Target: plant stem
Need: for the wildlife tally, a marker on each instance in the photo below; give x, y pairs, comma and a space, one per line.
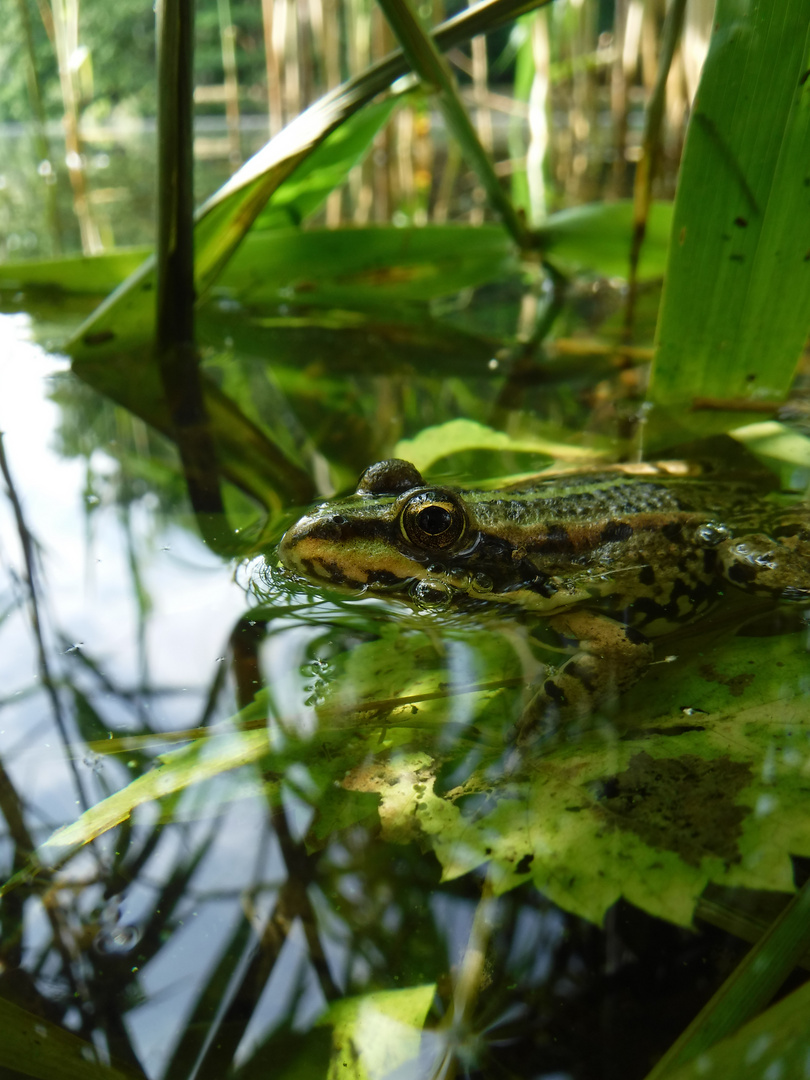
177, 356
650, 146
424, 57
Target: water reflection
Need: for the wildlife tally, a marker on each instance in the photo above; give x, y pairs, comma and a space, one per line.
274, 916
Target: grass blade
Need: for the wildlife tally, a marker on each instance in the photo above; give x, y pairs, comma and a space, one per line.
734, 316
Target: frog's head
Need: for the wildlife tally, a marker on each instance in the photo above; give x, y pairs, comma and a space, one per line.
385, 536
398, 535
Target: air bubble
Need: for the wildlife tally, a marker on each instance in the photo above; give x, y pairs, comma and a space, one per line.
117, 939
713, 533
432, 594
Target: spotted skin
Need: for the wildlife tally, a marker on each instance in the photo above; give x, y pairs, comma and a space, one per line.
610, 561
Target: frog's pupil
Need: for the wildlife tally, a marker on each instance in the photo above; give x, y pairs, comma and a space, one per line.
434, 520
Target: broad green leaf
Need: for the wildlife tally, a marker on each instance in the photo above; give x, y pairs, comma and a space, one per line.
33, 1046
734, 314
313, 141
597, 237
74, 274
416, 682
433, 444
707, 785
366, 268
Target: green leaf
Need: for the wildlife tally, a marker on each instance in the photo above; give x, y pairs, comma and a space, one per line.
782, 449
362, 269
775, 1044
326, 167
177, 769
377, 1034
734, 316
700, 783
75, 274
33, 1046
434, 443
597, 237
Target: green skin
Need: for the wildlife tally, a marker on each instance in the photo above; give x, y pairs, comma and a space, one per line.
610, 560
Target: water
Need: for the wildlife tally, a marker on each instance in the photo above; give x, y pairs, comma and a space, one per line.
120, 167
360, 850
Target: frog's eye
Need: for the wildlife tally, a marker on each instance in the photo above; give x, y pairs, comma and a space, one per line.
433, 520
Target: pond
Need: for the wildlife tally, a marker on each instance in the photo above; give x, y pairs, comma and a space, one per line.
417, 686
327, 852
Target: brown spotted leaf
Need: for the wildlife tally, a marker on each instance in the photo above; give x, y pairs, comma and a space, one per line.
703, 777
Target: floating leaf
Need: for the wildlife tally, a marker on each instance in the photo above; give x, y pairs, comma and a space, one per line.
597, 237
365, 268
74, 274
434, 443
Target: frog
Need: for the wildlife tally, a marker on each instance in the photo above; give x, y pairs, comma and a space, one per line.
610, 559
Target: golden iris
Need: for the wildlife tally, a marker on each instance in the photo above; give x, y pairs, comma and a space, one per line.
433, 520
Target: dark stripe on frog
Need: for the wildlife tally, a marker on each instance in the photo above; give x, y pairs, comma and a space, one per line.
615, 532
554, 541
337, 576
570, 537
337, 529
333, 571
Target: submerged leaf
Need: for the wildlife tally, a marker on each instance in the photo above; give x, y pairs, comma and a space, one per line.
699, 778
377, 1034
709, 791
33, 1046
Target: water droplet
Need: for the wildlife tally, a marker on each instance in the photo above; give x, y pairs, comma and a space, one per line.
432, 594
483, 582
713, 533
117, 939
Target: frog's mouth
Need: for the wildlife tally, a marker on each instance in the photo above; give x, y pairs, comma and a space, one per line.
367, 562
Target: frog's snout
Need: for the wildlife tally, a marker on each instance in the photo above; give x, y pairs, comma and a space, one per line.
314, 547
289, 548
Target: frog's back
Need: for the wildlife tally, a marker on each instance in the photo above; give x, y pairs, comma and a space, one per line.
605, 496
